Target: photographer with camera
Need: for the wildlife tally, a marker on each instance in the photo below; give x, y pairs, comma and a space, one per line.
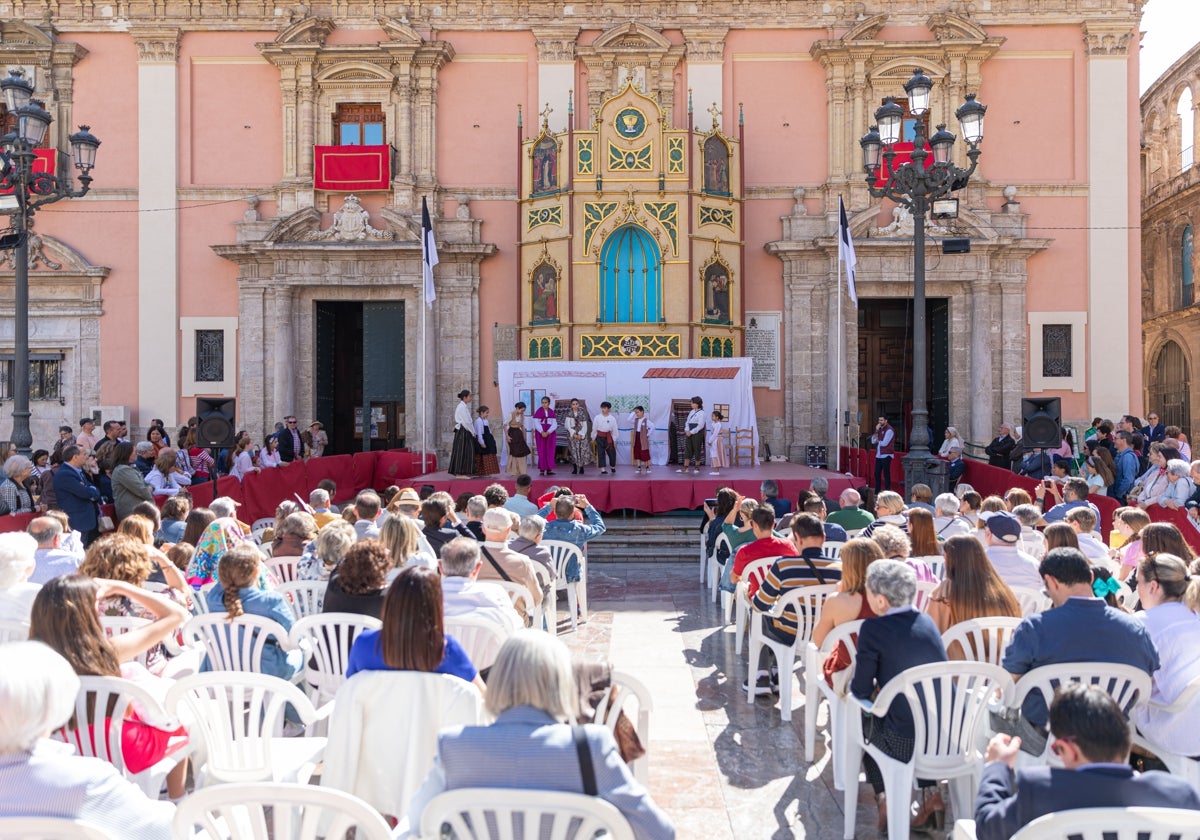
566, 528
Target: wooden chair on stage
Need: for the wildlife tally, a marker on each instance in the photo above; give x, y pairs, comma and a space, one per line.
741, 443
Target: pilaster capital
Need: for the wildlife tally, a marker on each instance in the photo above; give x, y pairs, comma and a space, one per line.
157, 45
1107, 38
555, 44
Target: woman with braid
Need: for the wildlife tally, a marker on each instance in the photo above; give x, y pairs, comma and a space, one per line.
237, 593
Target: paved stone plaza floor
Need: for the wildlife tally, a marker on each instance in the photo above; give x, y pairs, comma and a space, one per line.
722, 768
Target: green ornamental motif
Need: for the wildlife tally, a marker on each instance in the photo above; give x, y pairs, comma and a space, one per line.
594, 214
630, 123
544, 216
675, 158
667, 214
634, 160
716, 216
641, 346
583, 156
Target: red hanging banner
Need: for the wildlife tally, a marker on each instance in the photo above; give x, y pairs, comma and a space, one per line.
352, 168
44, 161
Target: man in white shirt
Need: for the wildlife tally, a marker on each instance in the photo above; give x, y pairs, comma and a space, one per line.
604, 432
1015, 567
462, 594
1083, 521
368, 509
947, 522
50, 559
502, 563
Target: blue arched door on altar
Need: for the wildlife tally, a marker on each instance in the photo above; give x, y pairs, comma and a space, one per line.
630, 277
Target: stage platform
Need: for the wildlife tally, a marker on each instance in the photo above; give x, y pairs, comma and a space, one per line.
661, 491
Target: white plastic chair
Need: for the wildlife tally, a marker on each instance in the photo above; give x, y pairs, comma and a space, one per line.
109, 699
1179, 765
949, 703
49, 828
922, 599
937, 563
549, 599
200, 599
381, 756
1108, 824
13, 631
285, 569
305, 597
982, 639
832, 549
235, 645
704, 550
1032, 600
327, 637
238, 717
815, 687
119, 625
263, 524
714, 568
519, 593
562, 552
297, 812
741, 597
553, 811
628, 687
806, 602
1127, 685
481, 638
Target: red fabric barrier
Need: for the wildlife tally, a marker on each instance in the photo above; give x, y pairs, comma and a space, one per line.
397, 467
16, 522
364, 470
995, 481
861, 463
338, 468
262, 492
1180, 520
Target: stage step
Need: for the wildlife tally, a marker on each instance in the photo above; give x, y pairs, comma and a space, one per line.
647, 539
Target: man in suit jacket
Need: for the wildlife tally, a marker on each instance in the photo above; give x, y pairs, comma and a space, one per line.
999, 450
1093, 744
291, 445
76, 496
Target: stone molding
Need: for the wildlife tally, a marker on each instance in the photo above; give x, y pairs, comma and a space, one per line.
156, 45
1103, 38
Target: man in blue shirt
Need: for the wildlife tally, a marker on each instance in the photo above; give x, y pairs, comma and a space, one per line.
1074, 495
519, 502
565, 528
1127, 466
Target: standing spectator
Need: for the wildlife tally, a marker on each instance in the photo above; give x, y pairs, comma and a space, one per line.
66, 437
129, 486
77, 496
1127, 466
1001, 447
166, 479
13, 494
243, 458
315, 439
201, 459
291, 447
269, 456
1153, 431
884, 441
86, 437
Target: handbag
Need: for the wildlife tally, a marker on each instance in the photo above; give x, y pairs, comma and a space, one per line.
105, 524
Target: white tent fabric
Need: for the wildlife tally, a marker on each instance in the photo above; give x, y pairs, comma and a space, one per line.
651, 383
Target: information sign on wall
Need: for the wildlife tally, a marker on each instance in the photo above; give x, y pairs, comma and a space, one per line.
762, 346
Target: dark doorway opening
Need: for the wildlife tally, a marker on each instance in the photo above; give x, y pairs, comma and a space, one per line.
885, 363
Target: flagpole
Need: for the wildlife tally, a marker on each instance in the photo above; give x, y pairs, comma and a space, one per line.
837, 416
422, 401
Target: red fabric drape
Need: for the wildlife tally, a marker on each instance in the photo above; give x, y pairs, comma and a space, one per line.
352, 168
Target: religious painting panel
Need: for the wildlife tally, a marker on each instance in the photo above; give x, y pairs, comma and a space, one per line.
716, 166
717, 292
543, 294
545, 165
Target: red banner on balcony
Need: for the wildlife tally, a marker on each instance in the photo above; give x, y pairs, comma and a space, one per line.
903, 155
352, 168
44, 161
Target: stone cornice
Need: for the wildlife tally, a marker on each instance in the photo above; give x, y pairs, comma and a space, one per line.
156, 45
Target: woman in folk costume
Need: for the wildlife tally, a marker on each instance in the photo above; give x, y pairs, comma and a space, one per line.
579, 441
487, 463
462, 454
641, 439
694, 428
545, 436
716, 444
518, 446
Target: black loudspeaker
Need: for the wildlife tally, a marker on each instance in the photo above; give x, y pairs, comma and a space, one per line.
1041, 421
216, 422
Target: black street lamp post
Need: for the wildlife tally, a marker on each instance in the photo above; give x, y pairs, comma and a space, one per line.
30, 190
916, 186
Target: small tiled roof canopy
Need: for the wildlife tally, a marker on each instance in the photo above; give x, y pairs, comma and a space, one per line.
691, 373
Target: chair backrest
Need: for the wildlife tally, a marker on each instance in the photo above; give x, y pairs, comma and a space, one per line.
757, 569
1032, 600
1126, 597
627, 688
49, 828
807, 603
102, 708
982, 639
13, 631
296, 812
263, 524
722, 542
936, 564
922, 598
235, 645
381, 755
1127, 685
949, 703
832, 548
305, 597
119, 625
1114, 824
553, 811
847, 634
561, 553
328, 637
236, 715
481, 638
285, 569
518, 592
200, 598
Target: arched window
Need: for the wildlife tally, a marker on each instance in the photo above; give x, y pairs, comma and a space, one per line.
1170, 393
1186, 129
630, 278
1186, 273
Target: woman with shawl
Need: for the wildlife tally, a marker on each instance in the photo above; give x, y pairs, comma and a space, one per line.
219, 537
579, 442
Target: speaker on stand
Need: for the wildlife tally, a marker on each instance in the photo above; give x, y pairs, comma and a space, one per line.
1041, 422
215, 429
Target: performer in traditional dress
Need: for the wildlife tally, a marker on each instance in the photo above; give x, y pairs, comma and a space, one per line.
518, 446
545, 436
604, 431
487, 463
716, 444
462, 454
641, 439
579, 443
693, 428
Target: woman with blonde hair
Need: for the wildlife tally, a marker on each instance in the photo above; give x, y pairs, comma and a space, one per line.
849, 604
971, 589
327, 550
401, 536
889, 510
1129, 522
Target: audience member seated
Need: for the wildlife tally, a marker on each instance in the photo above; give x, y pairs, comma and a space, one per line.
770, 496
1129, 522
322, 513
368, 510
326, 551
971, 589
43, 778
766, 543
1015, 567
947, 521
922, 535
736, 525
198, 519
222, 535
502, 563
1163, 583
237, 594
968, 505
13, 493
175, 512
167, 478
1080, 628
293, 535
1074, 494
16, 565
889, 510
1059, 535
810, 568
1017, 496
1098, 469
921, 496
567, 526
952, 441
814, 505
1179, 486
520, 502
533, 696
474, 510
895, 545
820, 486
65, 618
955, 466
357, 584
849, 604
897, 637
1031, 541
52, 560
464, 594
850, 514
531, 532
412, 637
440, 526
1092, 741
1083, 523
406, 545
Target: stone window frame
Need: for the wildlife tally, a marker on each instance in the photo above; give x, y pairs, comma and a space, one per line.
1077, 381
189, 387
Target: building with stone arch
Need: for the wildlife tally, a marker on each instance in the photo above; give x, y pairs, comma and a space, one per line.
253, 230
1170, 213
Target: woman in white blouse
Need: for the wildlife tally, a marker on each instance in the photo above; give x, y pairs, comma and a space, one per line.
952, 441
269, 456
166, 479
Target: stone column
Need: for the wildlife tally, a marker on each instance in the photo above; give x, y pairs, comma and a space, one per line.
253, 315
158, 232
706, 71
1011, 343
556, 75
284, 362
982, 348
